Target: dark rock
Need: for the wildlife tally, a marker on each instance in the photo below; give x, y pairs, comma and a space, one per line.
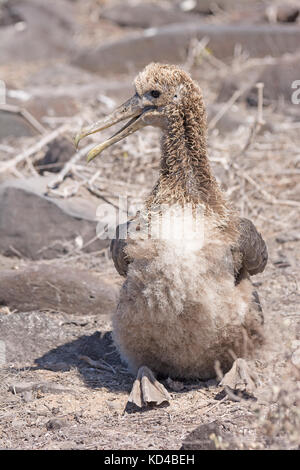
58, 288
143, 15
58, 153
56, 423
288, 13
14, 125
39, 227
210, 436
8, 15
170, 44
277, 78
45, 30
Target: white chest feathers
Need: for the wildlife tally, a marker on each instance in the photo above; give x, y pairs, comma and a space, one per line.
180, 258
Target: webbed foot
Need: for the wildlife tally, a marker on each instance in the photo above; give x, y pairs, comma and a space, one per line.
240, 380
147, 390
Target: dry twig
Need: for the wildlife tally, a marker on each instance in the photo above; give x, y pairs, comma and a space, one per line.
12, 163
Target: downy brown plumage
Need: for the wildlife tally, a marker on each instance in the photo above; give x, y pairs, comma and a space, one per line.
187, 300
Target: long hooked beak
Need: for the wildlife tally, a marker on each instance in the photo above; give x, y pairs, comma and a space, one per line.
131, 109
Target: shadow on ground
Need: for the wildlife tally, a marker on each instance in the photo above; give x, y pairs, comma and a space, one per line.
97, 346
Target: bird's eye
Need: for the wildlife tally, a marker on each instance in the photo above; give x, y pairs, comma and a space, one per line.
155, 93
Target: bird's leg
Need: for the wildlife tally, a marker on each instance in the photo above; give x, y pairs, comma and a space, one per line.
147, 390
240, 379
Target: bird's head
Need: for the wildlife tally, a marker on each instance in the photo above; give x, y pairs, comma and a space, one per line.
161, 91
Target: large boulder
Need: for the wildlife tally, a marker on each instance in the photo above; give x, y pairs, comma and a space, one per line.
36, 226
277, 77
36, 30
170, 44
144, 15
57, 287
14, 125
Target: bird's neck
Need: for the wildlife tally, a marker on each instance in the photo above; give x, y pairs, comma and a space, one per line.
184, 156
185, 174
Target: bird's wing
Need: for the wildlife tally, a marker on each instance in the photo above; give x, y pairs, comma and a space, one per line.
117, 249
250, 255
252, 248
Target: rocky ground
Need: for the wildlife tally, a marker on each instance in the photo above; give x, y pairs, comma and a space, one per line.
62, 385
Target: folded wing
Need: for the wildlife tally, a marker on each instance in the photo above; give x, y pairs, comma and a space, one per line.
252, 248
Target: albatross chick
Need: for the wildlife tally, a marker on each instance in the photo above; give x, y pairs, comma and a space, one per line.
187, 303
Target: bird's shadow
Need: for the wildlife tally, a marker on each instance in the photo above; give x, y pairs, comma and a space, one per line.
97, 347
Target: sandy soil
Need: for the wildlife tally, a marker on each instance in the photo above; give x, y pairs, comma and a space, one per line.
51, 398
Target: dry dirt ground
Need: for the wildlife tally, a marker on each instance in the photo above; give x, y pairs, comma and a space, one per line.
52, 399
52, 394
